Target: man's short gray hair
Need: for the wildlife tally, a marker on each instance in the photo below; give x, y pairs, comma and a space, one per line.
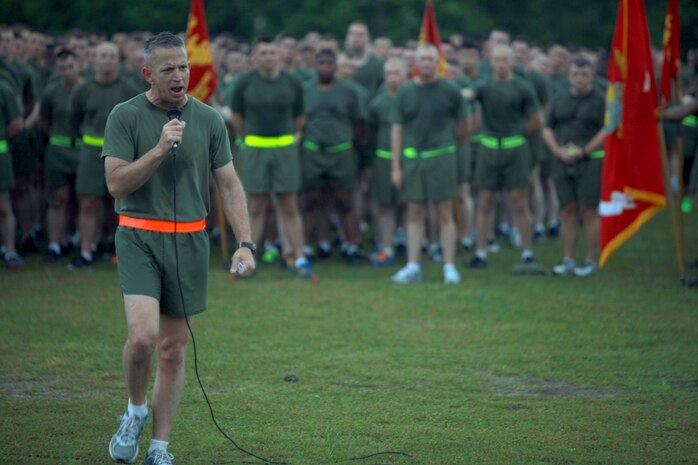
161, 40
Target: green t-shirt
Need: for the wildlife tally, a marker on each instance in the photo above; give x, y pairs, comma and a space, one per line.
540, 85
134, 128
379, 118
269, 107
370, 75
506, 106
428, 113
559, 84
304, 74
91, 102
54, 108
576, 119
9, 108
331, 113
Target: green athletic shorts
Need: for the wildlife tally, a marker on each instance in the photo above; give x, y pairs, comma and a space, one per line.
90, 177
537, 148
382, 189
60, 166
266, 170
432, 179
497, 169
335, 170
580, 183
7, 177
465, 163
148, 266
24, 160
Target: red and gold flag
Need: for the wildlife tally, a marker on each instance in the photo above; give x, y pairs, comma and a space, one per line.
632, 190
671, 64
429, 34
202, 80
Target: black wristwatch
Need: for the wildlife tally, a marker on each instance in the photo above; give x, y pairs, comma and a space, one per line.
250, 245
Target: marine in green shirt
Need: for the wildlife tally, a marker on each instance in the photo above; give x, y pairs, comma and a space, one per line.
575, 133
89, 107
268, 111
369, 68
429, 123
334, 113
62, 152
510, 112
160, 149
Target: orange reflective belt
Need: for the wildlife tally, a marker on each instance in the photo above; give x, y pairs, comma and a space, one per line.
162, 225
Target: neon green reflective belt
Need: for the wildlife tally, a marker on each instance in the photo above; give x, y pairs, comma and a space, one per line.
411, 152
596, 154
4, 148
386, 154
476, 138
93, 141
310, 145
691, 121
61, 141
269, 142
505, 143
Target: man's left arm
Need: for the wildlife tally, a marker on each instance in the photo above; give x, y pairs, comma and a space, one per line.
235, 209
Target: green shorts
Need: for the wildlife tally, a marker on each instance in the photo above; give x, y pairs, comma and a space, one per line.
537, 148
266, 170
148, 266
580, 183
7, 177
497, 169
90, 176
465, 163
24, 160
429, 179
382, 189
689, 138
335, 170
60, 166
547, 165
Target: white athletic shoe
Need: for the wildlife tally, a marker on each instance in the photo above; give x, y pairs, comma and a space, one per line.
407, 275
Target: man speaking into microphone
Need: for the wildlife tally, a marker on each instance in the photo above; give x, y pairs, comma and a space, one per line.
159, 149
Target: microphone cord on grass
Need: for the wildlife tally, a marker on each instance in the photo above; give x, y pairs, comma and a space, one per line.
193, 340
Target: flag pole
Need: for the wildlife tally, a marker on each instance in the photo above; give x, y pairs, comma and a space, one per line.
672, 204
679, 171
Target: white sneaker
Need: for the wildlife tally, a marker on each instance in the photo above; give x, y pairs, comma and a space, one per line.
123, 447
451, 276
565, 268
587, 269
407, 275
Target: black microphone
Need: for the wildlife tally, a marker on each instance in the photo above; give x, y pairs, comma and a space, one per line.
174, 113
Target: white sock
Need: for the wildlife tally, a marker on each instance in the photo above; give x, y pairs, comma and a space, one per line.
413, 266
352, 249
526, 254
141, 411
301, 262
481, 254
449, 267
55, 247
87, 256
389, 251
157, 445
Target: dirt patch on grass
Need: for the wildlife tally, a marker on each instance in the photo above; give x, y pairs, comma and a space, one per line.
690, 385
36, 389
521, 386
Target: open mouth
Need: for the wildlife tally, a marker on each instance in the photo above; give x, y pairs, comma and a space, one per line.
177, 90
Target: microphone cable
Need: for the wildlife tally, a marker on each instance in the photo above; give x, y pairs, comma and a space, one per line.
175, 113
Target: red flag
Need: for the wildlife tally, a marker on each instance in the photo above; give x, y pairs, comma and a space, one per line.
429, 34
632, 190
202, 80
671, 64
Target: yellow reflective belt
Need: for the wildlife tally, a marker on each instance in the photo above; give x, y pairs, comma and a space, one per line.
411, 152
269, 142
61, 141
310, 145
596, 154
386, 154
4, 148
506, 143
93, 141
691, 121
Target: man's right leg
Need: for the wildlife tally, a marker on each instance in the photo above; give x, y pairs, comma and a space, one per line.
484, 221
56, 216
293, 223
257, 205
7, 231
569, 215
142, 319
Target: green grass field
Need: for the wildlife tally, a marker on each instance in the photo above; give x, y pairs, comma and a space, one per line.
501, 369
